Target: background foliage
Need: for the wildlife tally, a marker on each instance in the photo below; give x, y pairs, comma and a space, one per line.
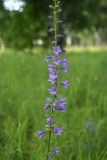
21, 28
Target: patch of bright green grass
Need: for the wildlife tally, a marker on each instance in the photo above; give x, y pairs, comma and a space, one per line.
23, 91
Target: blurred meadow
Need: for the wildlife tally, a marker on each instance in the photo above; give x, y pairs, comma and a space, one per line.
23, 90
24, 85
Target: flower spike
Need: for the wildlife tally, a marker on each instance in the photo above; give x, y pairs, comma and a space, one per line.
56, 62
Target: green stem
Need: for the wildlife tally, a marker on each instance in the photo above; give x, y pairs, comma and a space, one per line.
55, 33
49, 142
55, 17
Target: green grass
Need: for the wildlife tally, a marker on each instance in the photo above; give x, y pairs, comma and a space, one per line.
23, 91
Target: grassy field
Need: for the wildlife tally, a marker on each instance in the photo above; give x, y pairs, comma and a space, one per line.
23, 91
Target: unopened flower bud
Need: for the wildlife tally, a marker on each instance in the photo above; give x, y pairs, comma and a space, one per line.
50, 6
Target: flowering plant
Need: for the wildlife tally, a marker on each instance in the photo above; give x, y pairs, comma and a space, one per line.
56, 63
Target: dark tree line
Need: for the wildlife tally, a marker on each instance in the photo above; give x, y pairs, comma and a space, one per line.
21, 28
